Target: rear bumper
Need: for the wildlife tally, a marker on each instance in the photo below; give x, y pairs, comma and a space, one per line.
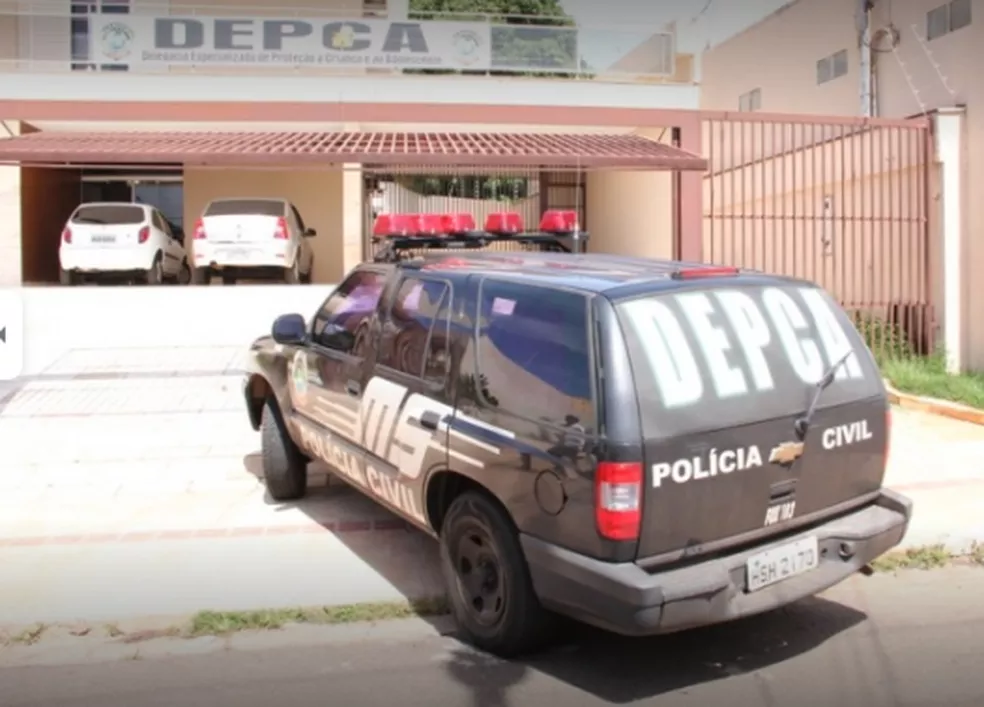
245, 256
628, 600
106, 260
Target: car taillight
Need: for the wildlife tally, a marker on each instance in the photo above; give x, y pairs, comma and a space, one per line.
144, 235
199, 233
67, 235
281, 231
618, 499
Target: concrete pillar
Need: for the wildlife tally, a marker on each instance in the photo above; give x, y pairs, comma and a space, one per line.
352, 217
949, 154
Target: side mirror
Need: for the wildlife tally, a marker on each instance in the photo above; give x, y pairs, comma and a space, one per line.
310, 233
290, 329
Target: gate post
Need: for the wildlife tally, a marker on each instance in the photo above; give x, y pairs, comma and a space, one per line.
690, 195
949, 154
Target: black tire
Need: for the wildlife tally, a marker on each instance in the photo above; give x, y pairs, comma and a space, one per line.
67, 278
306, 277
228, 279
510, 621
284, 466
201, 276
292, 275
155, 276
184, 274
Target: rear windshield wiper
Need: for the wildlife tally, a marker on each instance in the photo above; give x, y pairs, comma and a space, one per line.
803, 423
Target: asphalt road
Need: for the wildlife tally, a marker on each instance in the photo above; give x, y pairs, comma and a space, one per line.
913, 639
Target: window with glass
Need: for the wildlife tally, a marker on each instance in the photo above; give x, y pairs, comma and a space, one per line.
344, 320
947, 18
534, 353
416, 333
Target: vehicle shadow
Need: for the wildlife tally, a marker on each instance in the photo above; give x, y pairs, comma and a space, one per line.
613, 668
400, 555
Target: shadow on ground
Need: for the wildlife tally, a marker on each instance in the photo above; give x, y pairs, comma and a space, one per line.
613, 668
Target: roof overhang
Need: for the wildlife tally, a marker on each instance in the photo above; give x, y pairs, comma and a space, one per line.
258, 149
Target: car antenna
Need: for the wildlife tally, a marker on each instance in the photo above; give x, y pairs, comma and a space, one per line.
803, 424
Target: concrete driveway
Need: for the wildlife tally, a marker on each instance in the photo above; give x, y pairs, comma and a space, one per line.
131, 472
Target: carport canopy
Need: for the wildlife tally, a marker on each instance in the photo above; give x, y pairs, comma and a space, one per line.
219, 149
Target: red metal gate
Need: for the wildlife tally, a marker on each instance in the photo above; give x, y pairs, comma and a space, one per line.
842, 202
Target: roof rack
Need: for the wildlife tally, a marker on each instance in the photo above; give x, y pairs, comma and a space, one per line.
402, 236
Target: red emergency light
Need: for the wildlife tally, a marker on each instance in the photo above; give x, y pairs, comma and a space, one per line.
504, 223
394, 225
457, 223
430, 225
699, 273
555, 221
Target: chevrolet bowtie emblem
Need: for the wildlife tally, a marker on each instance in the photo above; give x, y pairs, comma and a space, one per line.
786, 453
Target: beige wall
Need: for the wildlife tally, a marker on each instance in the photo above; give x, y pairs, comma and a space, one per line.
329, 200
779, 56
631, 212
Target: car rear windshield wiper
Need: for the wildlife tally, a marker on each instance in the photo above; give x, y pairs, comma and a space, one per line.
803, 423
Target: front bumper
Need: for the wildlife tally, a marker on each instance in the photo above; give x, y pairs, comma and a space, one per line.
627, 599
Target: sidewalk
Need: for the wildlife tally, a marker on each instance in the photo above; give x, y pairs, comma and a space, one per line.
129, 489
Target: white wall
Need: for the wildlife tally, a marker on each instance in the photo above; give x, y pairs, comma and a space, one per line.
10, 217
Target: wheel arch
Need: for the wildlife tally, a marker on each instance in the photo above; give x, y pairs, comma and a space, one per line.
257, 391
444, 486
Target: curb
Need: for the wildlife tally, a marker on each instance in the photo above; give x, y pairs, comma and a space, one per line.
933, 406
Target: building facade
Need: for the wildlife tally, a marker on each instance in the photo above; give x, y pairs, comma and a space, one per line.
72, 72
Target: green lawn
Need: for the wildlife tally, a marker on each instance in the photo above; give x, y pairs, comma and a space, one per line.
928, 377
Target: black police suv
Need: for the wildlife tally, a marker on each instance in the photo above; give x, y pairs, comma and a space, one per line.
642, 445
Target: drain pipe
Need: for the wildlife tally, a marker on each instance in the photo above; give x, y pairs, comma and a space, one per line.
864, 33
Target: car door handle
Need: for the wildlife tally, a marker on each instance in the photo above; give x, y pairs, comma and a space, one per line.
353, 388
430, 419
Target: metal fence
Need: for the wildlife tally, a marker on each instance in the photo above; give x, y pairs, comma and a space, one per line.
528, 192
842, 202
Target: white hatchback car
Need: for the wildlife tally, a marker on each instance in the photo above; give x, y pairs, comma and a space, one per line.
252, 238
121, 241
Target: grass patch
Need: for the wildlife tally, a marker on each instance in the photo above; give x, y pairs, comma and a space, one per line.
929, 557
221, 623
928, 377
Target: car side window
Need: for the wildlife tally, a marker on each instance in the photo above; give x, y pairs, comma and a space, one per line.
342, 323
534, 354
416, 332
297, 218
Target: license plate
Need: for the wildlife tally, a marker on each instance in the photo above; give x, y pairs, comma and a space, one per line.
236, 254
779, 563
100, 238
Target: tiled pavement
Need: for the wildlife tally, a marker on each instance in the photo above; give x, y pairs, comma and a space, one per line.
136, 469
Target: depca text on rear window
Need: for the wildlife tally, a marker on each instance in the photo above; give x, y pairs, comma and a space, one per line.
109, 215
726, 356
245, 207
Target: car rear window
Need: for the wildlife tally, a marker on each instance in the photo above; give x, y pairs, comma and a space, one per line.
109, 214
731, 355
245, 207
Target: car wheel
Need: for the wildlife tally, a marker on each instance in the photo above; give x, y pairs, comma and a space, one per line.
67, 278
488, 582
201, 276
307, 277
155, 275
228, 279
284, 466
292, 275
184, 274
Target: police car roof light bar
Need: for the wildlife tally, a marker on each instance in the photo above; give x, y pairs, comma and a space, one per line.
702, 273
505, 223
556, 221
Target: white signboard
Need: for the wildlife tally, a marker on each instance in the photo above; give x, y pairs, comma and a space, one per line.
141, 40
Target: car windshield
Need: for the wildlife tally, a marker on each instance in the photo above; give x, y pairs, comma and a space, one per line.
109, 214
245, 207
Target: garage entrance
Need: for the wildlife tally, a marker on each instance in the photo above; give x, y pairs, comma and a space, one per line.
338, 181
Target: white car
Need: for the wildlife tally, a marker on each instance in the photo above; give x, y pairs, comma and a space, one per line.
121, 241
252, 238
